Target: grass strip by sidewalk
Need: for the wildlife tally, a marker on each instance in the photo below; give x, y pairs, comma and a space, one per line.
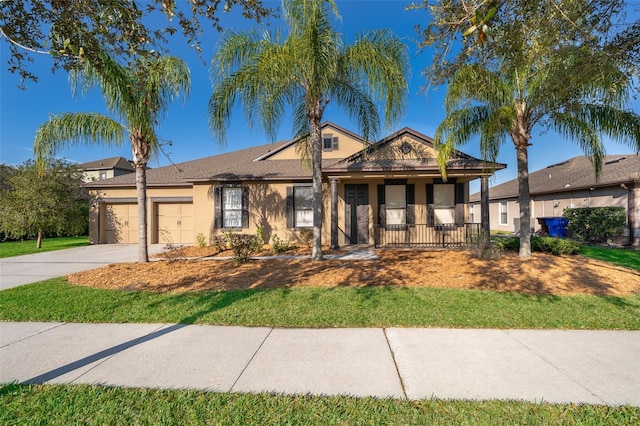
57, 300
19, 248
621, 257
93, 405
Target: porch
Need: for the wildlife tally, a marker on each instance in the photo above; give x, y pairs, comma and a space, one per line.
426, 236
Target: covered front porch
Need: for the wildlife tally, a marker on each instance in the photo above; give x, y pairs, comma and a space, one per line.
410, 212
394, 194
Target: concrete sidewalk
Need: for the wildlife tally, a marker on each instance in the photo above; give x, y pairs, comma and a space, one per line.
31, 268
598, 367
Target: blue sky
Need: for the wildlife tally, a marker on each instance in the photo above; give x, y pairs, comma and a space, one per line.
22, 111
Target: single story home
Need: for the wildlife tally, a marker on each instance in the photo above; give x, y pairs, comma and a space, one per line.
388, 193
568, 184
105, 168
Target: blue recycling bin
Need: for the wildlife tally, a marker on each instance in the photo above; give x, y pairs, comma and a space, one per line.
557, 226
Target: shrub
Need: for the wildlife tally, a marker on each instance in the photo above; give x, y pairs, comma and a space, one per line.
259, 239
280, 246
220, 242
243, 245
551, 245
200, 239
306, 236
507, 243
555, 246
595, 224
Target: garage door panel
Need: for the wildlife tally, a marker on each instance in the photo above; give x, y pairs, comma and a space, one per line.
174, 223
120, 223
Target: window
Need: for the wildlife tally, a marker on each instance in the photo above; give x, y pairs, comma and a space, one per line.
329, 143
503, 213
396, 204
444, 203
472, 213
103, 175
303, 206
231, 206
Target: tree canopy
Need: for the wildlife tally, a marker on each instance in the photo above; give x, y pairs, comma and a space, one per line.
522, 29
73, 31
33, 203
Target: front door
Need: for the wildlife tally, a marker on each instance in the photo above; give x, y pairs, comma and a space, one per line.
357, 213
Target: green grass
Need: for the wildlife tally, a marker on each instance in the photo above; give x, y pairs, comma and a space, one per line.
621, 257
56, 300
18, 248
93, 405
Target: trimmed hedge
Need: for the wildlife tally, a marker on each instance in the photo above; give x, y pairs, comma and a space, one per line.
596, 224
552, 245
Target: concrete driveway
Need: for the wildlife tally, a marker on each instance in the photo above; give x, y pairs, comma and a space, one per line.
30, 268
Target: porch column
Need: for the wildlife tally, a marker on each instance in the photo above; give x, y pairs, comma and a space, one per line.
484, 205
334, 213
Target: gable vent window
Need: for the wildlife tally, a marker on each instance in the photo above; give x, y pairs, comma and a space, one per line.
329, 143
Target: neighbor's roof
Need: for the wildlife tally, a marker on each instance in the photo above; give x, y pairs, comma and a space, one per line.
119, 163
570, 175
458, 161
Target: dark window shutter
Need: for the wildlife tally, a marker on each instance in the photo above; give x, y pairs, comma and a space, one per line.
459, 197
430, 220
411, 204
289, 207
245, 207
217, 207
382, 214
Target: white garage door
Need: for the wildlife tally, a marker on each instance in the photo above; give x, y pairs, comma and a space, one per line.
119, 223
174, 223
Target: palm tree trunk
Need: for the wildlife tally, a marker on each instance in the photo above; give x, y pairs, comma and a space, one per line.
524, 198
141, 190
316, 166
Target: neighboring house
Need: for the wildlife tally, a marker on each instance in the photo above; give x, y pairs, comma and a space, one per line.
569, 184
392, 194
105, 168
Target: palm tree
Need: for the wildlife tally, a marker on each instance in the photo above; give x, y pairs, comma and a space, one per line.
137, 96
306, 71
579, 94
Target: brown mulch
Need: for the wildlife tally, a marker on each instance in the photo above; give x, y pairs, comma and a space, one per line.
540, 274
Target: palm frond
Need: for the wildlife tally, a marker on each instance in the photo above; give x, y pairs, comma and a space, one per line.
72, 129
381, 61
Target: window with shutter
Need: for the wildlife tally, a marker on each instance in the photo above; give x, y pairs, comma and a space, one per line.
231, 206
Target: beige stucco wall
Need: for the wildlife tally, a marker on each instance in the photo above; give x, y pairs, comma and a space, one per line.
346, 147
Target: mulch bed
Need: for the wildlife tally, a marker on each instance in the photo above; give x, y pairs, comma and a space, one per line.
541, 274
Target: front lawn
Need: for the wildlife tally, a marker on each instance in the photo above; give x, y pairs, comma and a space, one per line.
18, 248
621, 257
93, 405
376, 306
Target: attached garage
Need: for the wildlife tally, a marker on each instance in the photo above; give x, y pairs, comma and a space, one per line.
173, 222
119, 222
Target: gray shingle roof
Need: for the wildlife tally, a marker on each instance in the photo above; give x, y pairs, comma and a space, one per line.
570, 175
119, 163
216, 167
